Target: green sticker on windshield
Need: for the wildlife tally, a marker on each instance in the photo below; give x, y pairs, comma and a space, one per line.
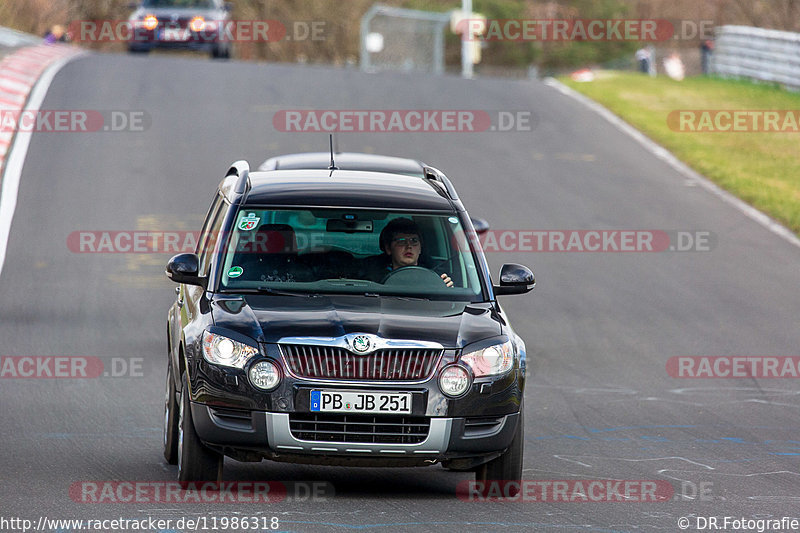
248, 222
235, 272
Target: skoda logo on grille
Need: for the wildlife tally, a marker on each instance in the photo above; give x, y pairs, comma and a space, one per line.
361, 344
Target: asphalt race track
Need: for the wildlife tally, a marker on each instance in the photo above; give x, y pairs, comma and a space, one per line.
600, 327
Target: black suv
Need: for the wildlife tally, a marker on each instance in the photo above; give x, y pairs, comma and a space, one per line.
181, 24
342, 313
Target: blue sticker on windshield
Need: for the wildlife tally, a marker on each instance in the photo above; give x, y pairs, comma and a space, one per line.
453, 220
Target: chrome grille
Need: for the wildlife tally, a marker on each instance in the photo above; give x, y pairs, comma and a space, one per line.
359, 428
332, 362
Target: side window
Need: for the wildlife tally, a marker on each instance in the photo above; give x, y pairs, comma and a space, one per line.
210, 216
210, 235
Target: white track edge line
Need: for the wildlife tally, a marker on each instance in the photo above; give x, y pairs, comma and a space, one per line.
665, 155
12, 170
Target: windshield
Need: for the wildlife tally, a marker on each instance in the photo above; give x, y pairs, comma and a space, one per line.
350, 251
178, 3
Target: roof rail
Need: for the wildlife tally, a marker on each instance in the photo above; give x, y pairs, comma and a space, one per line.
241, 169
434, 174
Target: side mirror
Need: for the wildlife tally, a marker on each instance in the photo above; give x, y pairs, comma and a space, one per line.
480, 225
514, 279
184, 268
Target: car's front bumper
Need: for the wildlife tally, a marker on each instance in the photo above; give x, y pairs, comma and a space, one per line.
235, 418
251, 435
192, 41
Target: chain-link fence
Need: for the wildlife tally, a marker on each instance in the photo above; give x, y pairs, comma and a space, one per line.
402, 39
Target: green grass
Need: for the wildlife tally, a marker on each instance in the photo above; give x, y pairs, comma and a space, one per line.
761, 168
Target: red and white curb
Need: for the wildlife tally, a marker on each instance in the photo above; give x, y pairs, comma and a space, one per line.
18, 74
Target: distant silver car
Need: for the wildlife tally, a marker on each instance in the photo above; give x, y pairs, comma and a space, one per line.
181, 24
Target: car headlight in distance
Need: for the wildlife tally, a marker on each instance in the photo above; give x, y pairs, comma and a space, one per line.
221, 350
454, 380
150, 22
492, 360
198, 24
265, 375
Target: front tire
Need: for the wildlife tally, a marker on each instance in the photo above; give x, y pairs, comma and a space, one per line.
195, 461
221, 51
138, 50
171, 409
507, 468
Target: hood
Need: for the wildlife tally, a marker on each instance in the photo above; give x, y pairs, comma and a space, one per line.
268, 318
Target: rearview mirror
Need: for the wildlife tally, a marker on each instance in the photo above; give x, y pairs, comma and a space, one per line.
349, 226
184, 268
514, 279
480, 225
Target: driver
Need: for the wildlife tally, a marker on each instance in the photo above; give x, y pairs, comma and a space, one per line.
401, 242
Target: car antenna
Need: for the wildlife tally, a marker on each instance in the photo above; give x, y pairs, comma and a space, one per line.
333, 164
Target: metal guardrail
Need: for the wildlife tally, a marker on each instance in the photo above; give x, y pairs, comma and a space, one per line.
757, 53
14, 39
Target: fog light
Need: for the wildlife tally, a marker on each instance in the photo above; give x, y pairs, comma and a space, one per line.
264, 375
454, 380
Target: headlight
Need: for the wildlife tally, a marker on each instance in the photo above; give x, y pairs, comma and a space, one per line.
224, 351
150, 22
265, 375
198, 24
454, 380
491, 361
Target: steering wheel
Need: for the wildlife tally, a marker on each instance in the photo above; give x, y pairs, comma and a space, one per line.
440, 265
412, 275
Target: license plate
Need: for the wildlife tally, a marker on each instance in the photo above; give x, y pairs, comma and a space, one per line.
360, 402
173, 34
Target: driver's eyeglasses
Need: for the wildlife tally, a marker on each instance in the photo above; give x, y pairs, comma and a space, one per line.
407, 241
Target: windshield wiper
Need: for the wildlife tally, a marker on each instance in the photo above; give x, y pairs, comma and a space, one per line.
270, 290
396, 297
